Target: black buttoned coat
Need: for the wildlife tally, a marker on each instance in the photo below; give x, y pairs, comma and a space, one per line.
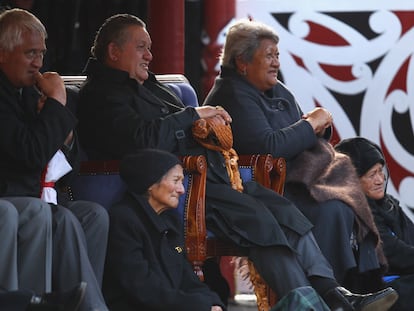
146, 267
271, 122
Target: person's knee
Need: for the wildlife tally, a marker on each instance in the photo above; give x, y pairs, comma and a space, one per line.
90, 214
99, 213
8, 212
41, 210
31, 209
63, 216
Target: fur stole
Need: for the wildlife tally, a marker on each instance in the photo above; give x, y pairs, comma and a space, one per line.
329, 175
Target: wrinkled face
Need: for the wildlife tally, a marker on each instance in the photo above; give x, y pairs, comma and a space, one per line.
165, 194
24, 60
373, 182
135, 55
263, 69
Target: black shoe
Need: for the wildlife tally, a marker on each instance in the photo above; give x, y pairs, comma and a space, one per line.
341, 299
59, 301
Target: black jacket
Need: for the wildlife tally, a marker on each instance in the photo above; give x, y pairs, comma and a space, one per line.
268, 122
397, 234
146, 268
117, 115
28, 139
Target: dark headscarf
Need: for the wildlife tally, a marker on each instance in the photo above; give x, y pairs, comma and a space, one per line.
145, 168
363, 153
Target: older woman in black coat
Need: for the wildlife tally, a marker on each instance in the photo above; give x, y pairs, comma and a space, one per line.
146, 267
395, 228
268, 119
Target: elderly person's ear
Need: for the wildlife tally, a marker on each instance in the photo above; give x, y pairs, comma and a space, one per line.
113, 52
241, 65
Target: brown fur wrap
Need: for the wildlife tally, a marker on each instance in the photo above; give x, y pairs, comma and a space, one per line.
329, 175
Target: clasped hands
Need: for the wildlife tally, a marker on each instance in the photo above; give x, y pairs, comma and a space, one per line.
320, 119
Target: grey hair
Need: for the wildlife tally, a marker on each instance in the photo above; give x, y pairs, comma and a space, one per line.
14, 23
114, 29
242, 40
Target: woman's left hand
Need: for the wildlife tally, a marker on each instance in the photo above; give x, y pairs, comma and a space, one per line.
320, 119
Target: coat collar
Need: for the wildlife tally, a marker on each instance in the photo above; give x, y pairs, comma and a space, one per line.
6, 84
99, 71
160, 221
277, 91
22, 100
96, 69
166, 227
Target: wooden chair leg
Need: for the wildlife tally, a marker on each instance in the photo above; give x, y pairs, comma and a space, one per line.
260, 289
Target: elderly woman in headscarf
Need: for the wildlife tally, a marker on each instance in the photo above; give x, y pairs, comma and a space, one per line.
395, 228
146, 267
266, 118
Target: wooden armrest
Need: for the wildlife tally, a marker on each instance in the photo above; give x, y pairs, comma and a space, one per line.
278, 175
268, 171
194, 218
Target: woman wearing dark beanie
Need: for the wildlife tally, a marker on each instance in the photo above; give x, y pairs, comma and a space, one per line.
395, 228
146, 267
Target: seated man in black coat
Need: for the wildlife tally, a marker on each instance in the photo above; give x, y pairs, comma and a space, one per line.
36, 127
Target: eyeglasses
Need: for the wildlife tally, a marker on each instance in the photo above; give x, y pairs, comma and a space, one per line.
35, 54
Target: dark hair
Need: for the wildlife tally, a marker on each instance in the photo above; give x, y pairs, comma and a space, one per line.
113, 30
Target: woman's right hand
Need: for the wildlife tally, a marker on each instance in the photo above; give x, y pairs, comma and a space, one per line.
320, 119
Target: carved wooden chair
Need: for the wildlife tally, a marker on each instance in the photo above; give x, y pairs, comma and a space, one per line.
271, 173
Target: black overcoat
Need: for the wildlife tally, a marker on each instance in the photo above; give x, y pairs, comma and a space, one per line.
146, 267
28, 139
397, 234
